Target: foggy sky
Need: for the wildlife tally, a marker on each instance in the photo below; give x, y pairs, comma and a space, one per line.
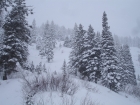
123, 15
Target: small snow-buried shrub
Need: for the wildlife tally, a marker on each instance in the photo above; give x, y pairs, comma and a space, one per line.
50, 82
88, 101
89, 87
133, 90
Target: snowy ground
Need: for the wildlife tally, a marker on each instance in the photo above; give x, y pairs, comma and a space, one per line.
11, 91
134, 52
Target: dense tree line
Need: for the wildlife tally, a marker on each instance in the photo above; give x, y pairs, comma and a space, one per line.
96, 57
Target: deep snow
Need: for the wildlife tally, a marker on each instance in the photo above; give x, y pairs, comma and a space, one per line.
11, 90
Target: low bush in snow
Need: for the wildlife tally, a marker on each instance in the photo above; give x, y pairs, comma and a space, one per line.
48, 82
89, 87
133, 90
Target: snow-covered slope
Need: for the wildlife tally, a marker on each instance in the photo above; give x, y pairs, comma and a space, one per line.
11, 90
60, 54
134, 52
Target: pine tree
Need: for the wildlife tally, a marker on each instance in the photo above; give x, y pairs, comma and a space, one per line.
38, 43
44, 68
108, 58
32, 67
52, 34
119, 52
139, 58
98, 40
67, 42
1, 34
64, 67
138, 78
33, 32
48, 44
75, 56
74, 52
129, 71
94, 56
40, 68
16, 37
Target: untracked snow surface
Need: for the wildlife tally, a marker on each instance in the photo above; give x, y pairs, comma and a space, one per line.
11, 90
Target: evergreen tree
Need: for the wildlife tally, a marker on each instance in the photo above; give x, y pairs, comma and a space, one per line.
129, 71
16, 37
1, 29
32, 68
52, 34
48, 44
44, 68
94, 58
79, 44
75, 56
138, 78
33, 32
98, 40
67, 42
74, 52
119, 52
139, 58
64, 67
38, 43
40, 68
109, 61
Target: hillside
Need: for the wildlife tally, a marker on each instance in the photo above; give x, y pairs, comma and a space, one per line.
11, 90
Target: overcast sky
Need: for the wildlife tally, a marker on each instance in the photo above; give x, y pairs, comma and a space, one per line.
123, 15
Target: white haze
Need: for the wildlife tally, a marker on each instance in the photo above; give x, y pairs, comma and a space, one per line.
123, 15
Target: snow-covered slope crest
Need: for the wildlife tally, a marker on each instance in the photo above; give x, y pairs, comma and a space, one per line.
11, 90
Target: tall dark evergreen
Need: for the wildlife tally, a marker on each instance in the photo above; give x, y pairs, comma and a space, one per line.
109, 61
94, 55
48, 43
129, 76
67, 42
73, 55
78, 64
1, 29
16, 37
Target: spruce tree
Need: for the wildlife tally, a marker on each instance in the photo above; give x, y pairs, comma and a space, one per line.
16, 37
128, 67
108, 57
48, 43
94, 58
67, 42
52, 34
44, 68
73, 55
78, 64
33, 32
80, 47
64, 67
32, 67
139, 58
